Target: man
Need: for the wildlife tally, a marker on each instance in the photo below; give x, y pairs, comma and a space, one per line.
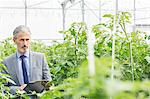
25, 66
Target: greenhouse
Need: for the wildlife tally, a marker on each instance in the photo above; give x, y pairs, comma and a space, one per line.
74, 49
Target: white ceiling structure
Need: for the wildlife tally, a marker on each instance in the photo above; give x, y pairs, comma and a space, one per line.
45, 17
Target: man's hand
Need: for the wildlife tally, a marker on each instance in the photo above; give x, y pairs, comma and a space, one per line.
21, 88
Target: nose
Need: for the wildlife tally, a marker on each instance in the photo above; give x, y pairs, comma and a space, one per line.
25, 42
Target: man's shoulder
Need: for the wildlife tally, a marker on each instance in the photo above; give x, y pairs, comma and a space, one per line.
37, 56
37, 53
10, 57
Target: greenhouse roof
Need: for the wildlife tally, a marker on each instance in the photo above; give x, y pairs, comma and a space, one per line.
45, 17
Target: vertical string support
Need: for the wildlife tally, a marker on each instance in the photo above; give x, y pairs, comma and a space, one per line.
131, 54
113, 42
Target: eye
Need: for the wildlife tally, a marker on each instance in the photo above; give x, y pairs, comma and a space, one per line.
27, 39
21, 39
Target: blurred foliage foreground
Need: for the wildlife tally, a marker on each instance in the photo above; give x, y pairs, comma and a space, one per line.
69, 66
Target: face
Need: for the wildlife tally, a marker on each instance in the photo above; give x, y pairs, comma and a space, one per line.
22, 41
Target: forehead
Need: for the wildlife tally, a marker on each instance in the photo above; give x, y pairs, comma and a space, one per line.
23, 35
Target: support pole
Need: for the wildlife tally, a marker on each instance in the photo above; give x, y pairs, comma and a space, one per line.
63, 15
63, 5
100, 11
83, 11
25, 12
91, 61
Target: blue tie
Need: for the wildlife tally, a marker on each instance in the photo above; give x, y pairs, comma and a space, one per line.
25, 76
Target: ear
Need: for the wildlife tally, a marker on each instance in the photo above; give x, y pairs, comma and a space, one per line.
14, 39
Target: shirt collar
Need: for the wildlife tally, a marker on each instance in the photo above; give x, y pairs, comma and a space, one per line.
25, 54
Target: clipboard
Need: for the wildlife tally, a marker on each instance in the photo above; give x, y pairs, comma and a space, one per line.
37, 86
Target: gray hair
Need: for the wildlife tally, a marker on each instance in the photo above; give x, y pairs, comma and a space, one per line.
21, 28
